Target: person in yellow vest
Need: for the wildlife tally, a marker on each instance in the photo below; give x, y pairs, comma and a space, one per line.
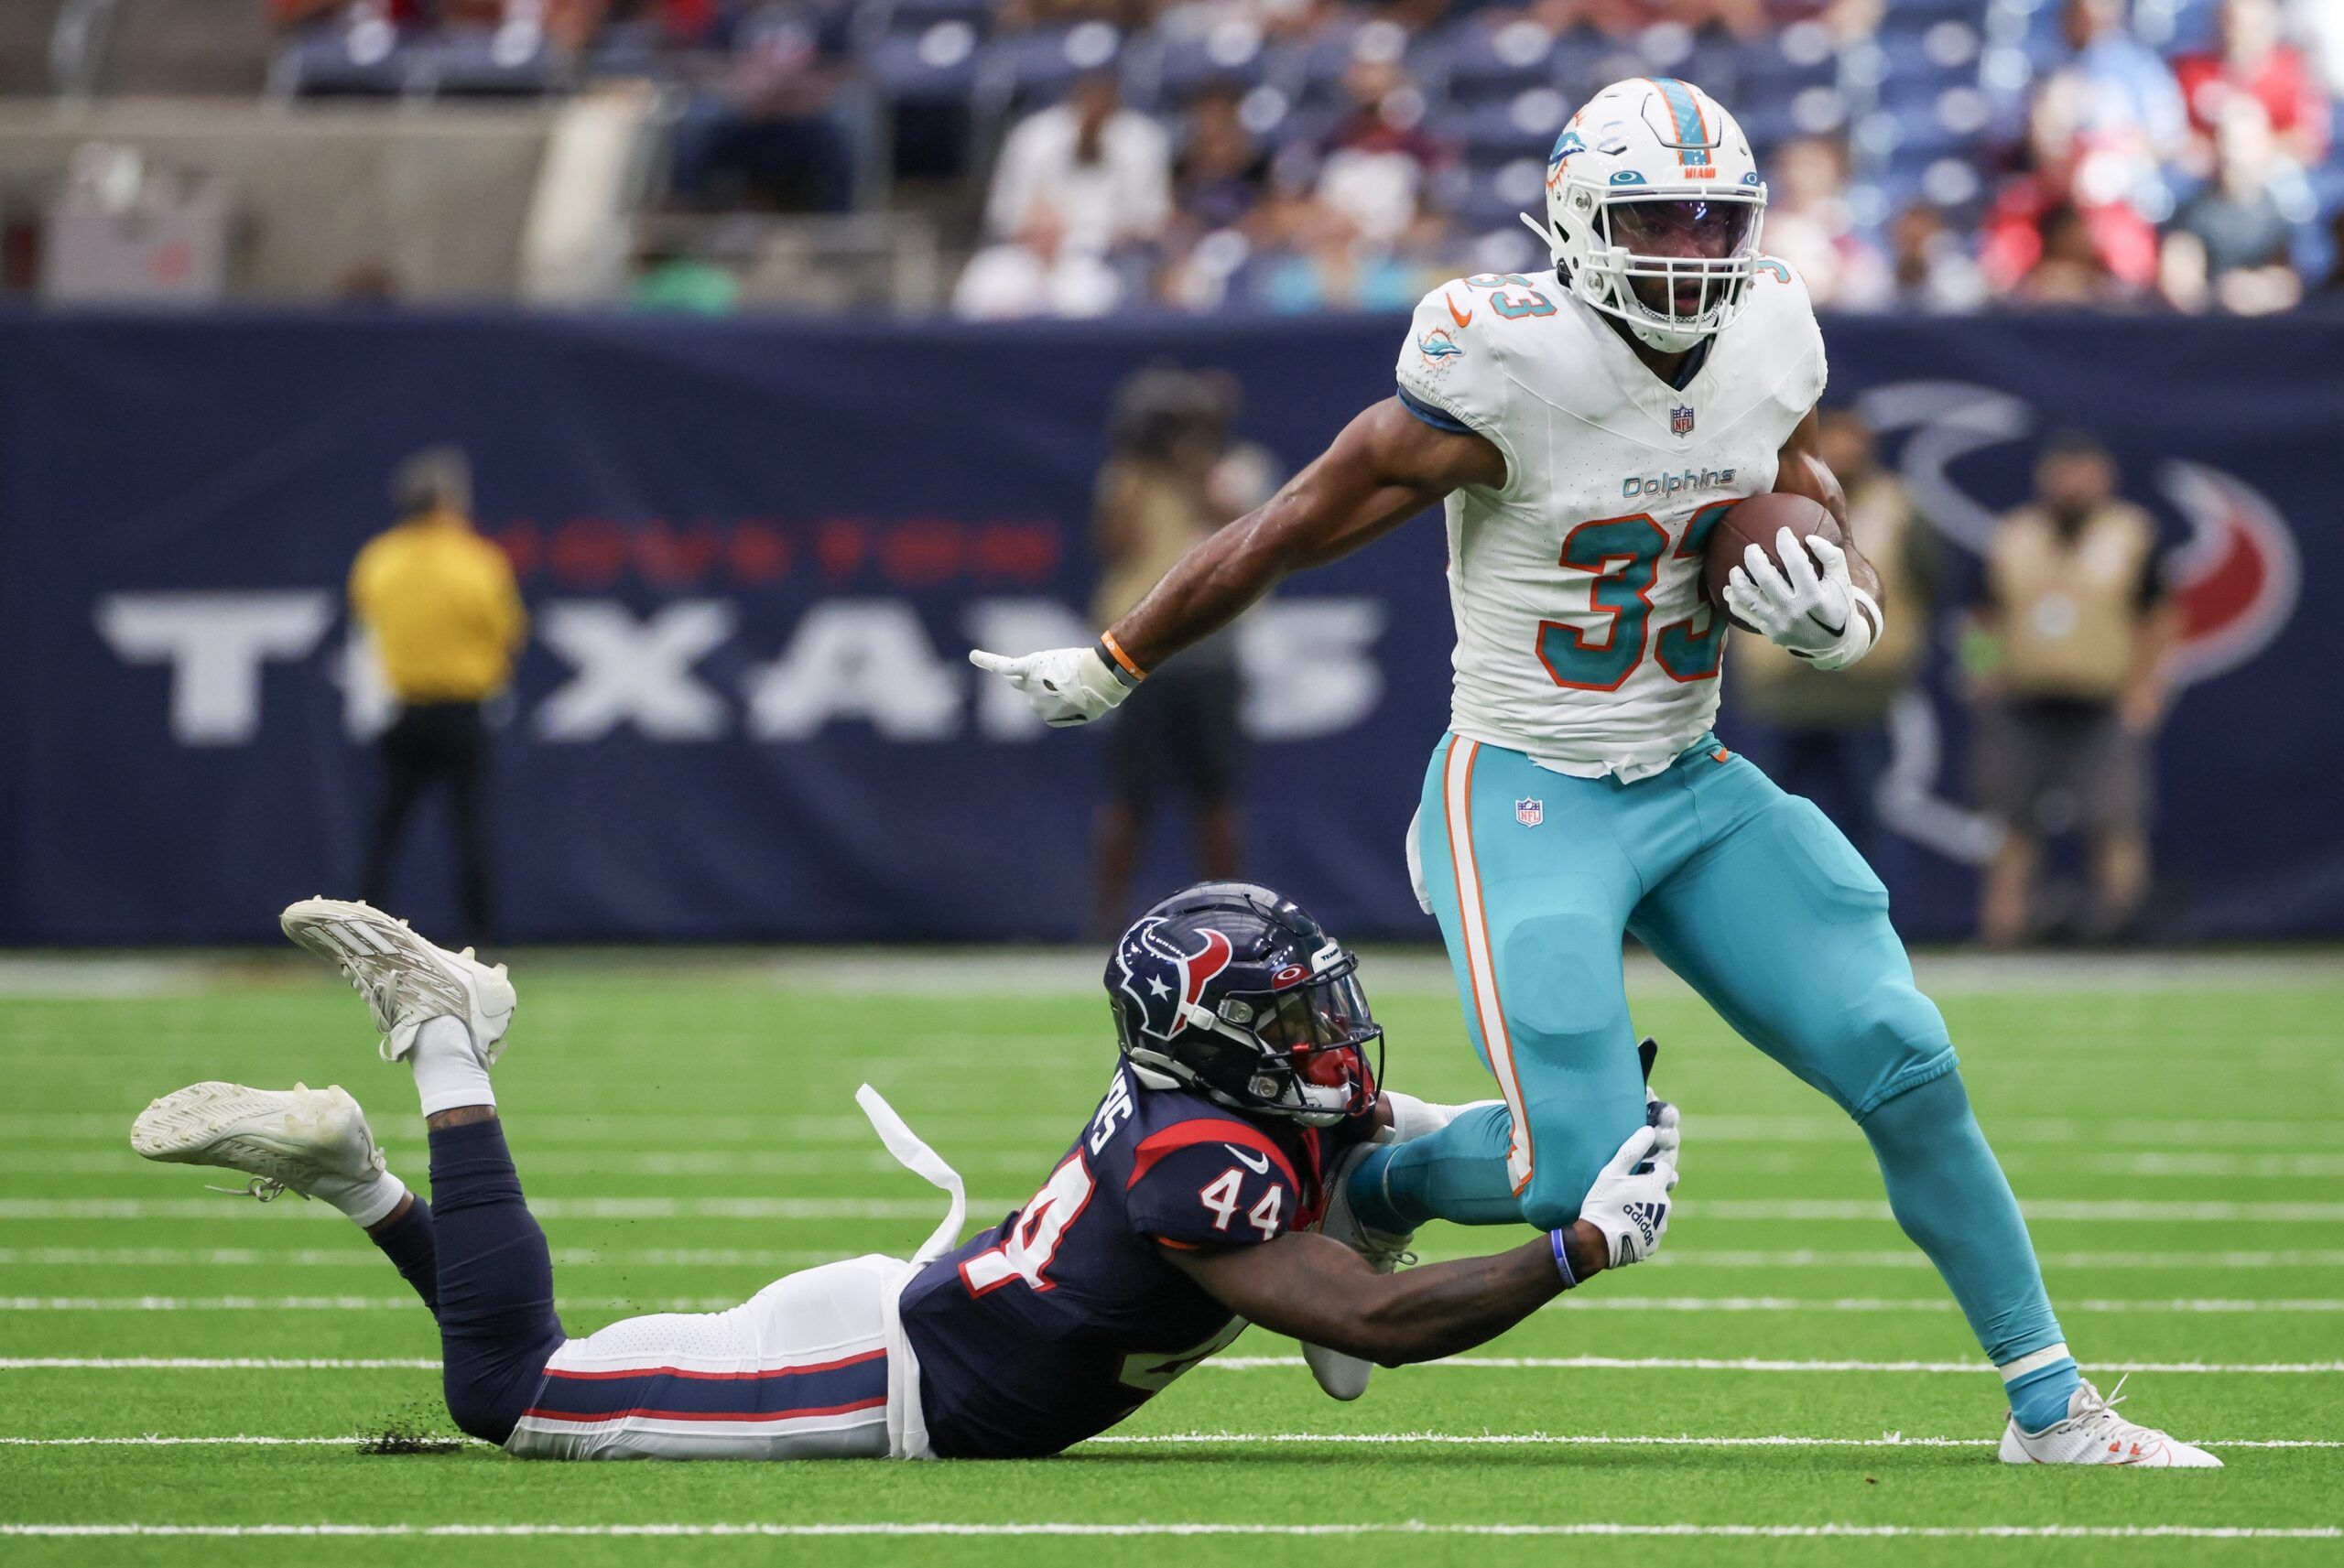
2069, 661
444, 614
1824, 733
1171, 478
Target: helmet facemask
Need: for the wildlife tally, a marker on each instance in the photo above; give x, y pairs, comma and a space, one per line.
1696, 253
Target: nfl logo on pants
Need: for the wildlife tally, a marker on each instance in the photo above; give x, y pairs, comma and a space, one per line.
1530, 813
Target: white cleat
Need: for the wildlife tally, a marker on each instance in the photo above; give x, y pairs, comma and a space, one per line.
1344, 1377
407, 982
2094, 1433
310, 1141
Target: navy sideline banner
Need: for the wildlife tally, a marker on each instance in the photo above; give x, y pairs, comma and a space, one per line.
756, 551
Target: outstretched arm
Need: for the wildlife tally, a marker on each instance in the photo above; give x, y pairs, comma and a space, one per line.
1322, 1293
1387, 466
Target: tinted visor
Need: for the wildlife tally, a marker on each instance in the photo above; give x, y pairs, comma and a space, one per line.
1682, 228
1323, 1027
1323, 1013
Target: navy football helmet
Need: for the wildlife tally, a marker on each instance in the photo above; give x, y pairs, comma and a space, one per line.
1234, 991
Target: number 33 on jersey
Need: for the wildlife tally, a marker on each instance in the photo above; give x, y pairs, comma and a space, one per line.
1581, 635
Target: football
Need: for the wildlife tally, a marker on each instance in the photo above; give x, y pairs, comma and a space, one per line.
1756, 521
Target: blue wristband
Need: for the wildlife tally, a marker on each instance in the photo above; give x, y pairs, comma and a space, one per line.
1560, 1241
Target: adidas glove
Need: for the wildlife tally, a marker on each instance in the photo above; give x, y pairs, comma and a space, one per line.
1630, 1202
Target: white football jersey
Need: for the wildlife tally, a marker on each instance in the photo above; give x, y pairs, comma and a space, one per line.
1582, 638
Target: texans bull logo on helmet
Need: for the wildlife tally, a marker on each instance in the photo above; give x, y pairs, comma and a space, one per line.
1162, 980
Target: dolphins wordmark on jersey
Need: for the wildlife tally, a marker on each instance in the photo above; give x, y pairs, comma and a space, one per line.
1582, 638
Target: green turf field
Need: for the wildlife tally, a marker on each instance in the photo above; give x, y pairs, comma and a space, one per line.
1788, 1365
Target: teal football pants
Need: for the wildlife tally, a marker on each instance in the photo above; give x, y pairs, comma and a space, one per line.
1766, 910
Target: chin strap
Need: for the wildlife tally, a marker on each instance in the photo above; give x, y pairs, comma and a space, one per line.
1546, 232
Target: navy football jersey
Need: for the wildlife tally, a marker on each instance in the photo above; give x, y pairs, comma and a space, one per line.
1063, 1319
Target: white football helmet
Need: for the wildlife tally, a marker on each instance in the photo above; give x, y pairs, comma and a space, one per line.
1653, 182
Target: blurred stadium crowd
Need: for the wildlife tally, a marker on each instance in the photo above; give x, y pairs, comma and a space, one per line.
1098, 156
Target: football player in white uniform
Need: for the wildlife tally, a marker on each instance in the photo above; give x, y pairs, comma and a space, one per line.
1584, 430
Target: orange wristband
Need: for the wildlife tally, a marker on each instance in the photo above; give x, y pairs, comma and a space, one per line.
1119, 661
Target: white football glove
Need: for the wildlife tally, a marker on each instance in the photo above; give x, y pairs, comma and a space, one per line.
1066, 686
1630, 1205
1814, 615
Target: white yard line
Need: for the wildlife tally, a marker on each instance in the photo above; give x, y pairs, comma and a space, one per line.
2163, 1213
221, 1363
1022, 971
1221, 1364
737, 1207
1762, 1364
1925, 1303
1555, 1440
563, 1257
1234, 1439
1224, 1528
1741, 1158
1043, 1136
751, 1207
1812, 1305
1914, 1257
366, 1258
235, 1440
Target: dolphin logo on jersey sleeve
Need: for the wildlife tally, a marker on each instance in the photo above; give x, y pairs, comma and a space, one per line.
1165, 981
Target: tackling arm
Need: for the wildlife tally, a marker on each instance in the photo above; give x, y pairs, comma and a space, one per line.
1322, 1293
1385, 468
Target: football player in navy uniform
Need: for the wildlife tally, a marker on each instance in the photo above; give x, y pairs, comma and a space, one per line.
1184, 1210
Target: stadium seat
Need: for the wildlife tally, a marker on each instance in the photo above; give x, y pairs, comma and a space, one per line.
933, 64
1494, 192
345, 63
624, 48
912, 15
1523, 126
1164, 73
480, 63
1312, 68
1017, 72
1487, 64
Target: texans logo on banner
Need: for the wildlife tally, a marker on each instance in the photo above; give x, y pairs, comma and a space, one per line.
1162, 978
2237, 580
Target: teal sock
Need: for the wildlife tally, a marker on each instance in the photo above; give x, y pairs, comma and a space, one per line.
1952, 1199
1458, 1174
2039, 1398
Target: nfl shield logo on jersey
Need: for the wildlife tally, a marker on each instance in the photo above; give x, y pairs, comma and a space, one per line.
1680, 419
1530, 813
